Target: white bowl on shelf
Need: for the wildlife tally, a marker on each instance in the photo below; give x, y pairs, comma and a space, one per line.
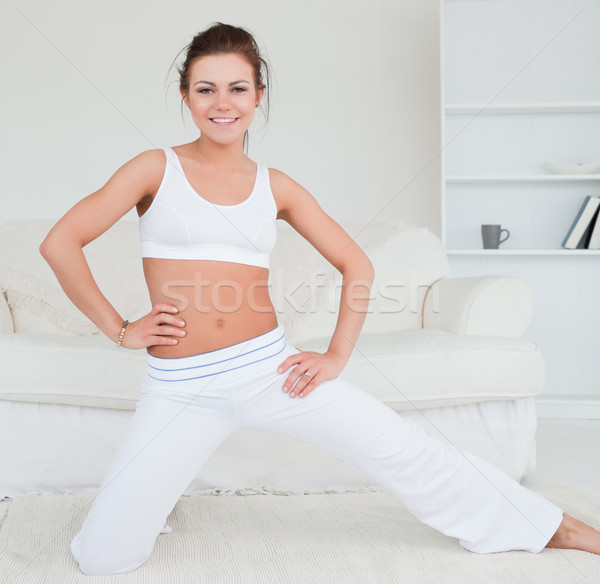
556, 168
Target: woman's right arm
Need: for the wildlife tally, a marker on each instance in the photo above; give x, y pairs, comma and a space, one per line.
88, 219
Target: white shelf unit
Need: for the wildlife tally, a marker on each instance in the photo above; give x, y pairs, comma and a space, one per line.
523, 108
528, 252
565, 178
520, 86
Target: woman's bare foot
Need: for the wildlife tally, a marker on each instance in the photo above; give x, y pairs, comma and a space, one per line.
575, 535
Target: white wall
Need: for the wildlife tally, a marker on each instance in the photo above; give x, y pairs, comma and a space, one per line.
354, 114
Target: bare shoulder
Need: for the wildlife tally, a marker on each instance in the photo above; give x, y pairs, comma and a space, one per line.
134, 182
297, 206
286, 192
149, 166
143, 173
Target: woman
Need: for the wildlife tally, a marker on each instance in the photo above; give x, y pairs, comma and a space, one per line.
217, 359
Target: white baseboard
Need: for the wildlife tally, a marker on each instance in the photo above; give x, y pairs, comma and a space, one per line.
573, 407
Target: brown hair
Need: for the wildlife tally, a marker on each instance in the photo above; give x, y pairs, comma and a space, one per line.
219, 39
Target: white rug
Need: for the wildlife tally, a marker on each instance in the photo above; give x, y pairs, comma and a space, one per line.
364, 537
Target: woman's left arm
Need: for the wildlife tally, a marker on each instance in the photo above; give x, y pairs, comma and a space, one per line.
300, 209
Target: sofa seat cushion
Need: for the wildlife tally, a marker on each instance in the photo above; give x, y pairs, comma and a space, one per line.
421, 368
86, 370
429, 368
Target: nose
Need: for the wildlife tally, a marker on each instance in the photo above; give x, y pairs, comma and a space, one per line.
223, 101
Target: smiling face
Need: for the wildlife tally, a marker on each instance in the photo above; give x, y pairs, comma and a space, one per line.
221, 90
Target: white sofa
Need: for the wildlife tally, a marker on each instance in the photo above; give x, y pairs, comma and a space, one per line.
445, 352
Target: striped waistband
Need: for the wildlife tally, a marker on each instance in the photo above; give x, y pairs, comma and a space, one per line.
229, 358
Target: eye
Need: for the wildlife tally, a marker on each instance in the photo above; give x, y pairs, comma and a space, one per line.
242, 89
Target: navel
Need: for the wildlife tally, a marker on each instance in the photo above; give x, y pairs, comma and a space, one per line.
220, 322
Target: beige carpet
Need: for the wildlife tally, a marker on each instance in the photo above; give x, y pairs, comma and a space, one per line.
365, 537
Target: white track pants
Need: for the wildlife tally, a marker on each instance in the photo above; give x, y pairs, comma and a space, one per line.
190, 405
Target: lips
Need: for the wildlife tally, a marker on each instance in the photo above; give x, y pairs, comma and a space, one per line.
229, 122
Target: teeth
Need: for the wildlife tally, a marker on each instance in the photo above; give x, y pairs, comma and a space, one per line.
222, 120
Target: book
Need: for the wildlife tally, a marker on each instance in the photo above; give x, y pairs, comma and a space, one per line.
594, 242
580, 231
584, 242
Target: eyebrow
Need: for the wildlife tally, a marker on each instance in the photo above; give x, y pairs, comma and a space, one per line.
232, 83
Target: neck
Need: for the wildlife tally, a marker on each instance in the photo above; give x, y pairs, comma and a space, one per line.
220, 156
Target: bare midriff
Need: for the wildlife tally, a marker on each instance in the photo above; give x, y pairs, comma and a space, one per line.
222, 303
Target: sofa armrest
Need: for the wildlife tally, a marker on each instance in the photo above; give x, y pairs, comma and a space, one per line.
480, 305
6, 321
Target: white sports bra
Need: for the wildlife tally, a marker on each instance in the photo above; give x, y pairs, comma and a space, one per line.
180, 224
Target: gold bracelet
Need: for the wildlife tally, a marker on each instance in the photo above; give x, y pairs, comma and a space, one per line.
125, 323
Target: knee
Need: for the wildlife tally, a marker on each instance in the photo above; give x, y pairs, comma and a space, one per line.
94, 561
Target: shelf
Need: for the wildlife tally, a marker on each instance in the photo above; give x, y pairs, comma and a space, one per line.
528, 252
582, 107
468, 178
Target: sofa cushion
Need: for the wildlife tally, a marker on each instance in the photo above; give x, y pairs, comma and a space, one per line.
87, 370
430, 368
419, 368
306, 288
36, 299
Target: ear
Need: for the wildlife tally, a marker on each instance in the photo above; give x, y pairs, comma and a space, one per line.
184, 96
259, 95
